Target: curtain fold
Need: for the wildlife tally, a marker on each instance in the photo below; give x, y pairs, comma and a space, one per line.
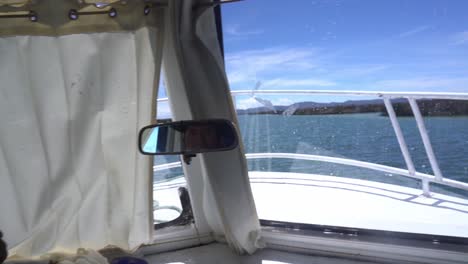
195, 74
70, 110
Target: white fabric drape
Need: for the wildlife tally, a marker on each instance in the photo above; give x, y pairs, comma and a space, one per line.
70, 110
198, 89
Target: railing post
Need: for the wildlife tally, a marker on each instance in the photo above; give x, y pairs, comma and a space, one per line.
234, 101
425, 139
400, 137
426, 188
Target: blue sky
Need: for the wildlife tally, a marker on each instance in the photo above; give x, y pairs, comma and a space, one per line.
391, 45
347, 45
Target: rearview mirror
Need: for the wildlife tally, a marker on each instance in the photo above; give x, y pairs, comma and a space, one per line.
188, 137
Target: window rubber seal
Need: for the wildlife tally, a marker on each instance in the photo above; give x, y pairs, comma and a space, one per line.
431, 241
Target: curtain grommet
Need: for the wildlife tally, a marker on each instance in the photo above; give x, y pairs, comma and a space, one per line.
33, 16
147, 10
112, 12
73, 14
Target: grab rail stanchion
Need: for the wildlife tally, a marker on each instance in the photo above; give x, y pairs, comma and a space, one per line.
426, 188
399, 135
425, 139
403, 147
234, 101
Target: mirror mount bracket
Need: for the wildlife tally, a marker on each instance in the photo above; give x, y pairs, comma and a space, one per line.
188, 158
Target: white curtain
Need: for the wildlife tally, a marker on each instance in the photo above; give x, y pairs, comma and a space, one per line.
70, 110
198, 89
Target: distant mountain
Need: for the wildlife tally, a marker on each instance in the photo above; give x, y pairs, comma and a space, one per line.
262, 110
434, 107
316, 108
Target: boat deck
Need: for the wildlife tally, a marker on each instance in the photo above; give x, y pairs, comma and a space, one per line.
337, 201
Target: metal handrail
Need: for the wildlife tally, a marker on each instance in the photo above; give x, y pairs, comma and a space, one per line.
386, 96
415, 95
342, 161
390, 95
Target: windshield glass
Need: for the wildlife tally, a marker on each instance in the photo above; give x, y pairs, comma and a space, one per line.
341, 111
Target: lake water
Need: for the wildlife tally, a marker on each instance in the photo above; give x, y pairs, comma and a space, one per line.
364, 137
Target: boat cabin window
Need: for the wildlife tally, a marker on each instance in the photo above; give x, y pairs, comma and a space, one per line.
353, 114
167, 201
